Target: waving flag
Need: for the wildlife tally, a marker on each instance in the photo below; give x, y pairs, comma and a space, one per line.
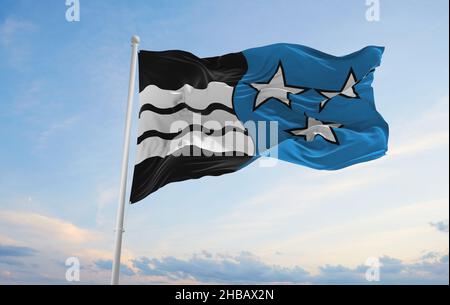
195, 112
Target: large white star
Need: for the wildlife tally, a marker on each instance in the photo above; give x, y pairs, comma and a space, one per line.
317, 128
276, 88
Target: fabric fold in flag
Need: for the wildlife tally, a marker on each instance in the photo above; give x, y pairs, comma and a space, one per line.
195, 112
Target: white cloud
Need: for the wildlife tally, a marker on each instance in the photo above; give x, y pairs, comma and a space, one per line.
441, 226
246, 268
11, 27
426, 142
423, 133
46, 226
57, 127
15, 40
106, 196
366, 235
51, 240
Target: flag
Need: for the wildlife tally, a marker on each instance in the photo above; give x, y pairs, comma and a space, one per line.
211, 116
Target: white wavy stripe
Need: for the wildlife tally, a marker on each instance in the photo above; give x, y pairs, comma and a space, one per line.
169, 123
216, 92
231, 141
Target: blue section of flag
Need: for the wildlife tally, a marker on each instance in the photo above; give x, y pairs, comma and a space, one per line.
362, 134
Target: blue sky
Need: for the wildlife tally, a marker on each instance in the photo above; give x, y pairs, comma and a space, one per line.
62, 103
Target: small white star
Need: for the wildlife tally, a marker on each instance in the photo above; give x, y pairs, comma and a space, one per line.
348, 90
317, 128
276, 88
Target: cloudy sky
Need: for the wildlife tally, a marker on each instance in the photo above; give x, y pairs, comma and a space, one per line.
62, 103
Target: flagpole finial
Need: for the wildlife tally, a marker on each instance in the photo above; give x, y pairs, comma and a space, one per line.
135, 39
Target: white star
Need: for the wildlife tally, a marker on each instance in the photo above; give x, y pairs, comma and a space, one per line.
317, 128
348, 90
276, 88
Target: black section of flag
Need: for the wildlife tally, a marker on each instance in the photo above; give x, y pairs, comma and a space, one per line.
171, 70
208, 110
173, 135
153, 173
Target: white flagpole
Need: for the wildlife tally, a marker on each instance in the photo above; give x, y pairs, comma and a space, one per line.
123, 177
